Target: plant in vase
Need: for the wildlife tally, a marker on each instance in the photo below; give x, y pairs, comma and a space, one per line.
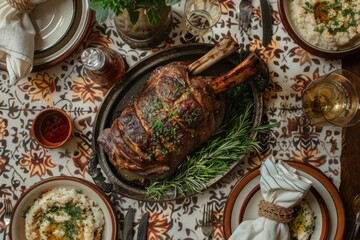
140, 23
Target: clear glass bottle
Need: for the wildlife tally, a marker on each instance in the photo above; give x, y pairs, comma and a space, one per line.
103, 65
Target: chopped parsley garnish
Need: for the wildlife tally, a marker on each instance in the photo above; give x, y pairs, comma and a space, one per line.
74, 211
50, 220
69, 229
309, 8
331, 15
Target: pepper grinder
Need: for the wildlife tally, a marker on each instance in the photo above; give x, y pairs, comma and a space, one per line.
103, 65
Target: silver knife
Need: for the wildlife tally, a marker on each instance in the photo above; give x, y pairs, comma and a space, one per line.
266, 22
128, 224
142, 230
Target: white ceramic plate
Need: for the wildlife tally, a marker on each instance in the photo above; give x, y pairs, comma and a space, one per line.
243, 200
248, 205
52, 20
17, 225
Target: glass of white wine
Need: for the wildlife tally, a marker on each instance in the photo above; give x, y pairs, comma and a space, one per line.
201, 16
333, 99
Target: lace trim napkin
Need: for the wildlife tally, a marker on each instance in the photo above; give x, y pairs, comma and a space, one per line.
17, 36
280, 185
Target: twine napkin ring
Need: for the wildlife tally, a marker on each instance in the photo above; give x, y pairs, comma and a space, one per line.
24, 6
275, 212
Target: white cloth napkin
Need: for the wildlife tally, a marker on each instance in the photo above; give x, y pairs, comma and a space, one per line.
17, 41
282, 185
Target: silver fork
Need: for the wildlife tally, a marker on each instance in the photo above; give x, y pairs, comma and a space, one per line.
207, 226
245, 11
7, 215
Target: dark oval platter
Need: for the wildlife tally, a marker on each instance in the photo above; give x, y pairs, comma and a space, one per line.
126, 90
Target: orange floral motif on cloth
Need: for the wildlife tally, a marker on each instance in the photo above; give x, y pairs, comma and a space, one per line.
158, 225
86, 90
36, 163
41, 87
64, 86
227, 6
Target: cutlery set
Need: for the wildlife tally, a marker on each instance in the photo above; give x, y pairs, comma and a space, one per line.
128, 225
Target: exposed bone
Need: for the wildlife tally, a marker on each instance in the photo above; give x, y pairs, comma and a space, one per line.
246, 69
224, 48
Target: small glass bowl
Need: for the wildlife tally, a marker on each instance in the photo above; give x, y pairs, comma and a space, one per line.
51, 128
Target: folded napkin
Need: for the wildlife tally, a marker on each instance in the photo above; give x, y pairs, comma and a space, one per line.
17, 37
281, 185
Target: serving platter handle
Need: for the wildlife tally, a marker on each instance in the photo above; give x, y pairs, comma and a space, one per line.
97, 175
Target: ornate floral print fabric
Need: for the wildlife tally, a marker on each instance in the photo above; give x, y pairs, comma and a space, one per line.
23, 162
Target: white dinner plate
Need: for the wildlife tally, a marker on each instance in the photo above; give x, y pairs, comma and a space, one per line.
323, 199
17, 224
52, 20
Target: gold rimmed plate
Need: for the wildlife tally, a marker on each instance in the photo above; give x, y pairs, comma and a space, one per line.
243, 200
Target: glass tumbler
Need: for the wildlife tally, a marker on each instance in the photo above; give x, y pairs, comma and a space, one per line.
333, 99
201, 16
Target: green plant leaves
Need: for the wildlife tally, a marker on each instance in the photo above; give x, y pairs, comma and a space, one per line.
171, 2
107, 9
133, 13
102, 14
96, 4
155, 12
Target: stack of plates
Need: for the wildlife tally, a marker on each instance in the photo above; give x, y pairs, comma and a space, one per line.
60, 28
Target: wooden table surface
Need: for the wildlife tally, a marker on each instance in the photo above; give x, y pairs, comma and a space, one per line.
350, 159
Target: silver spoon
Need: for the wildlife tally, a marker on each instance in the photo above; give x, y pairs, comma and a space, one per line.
356, 208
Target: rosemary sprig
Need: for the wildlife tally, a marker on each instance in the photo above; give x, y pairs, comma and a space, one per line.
218, 153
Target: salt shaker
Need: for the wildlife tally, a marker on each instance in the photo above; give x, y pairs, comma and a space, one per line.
103, 65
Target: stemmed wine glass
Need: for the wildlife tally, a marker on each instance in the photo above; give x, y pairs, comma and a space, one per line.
333, 99
201, 16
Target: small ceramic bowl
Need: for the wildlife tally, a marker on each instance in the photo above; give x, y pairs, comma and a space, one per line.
51, 128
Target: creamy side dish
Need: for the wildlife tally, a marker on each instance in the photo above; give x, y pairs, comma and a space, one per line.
303, 224
64, 213
328, 24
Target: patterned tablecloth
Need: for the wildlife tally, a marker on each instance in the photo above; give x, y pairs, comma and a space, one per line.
23, 162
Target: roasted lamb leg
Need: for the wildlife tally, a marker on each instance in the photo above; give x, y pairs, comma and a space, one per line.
174, 114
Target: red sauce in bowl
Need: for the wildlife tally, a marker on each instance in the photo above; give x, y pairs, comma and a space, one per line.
55, 128
51, 128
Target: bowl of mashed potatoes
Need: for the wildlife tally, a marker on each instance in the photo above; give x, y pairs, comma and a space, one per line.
326, 28
63, 208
